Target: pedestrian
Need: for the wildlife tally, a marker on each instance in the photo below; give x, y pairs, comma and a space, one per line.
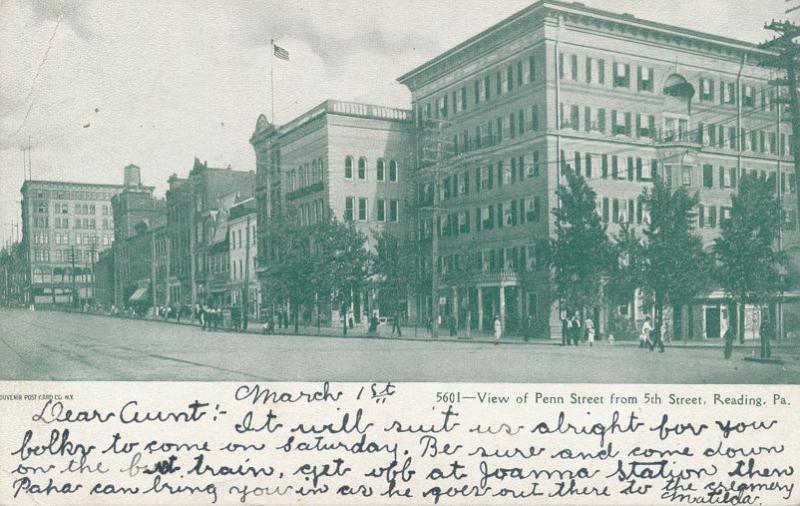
453, 326
589, 326
564, 329
498, 329
765, 332
396, 324
644, 335
373, 324
575, 329
656, 341
729, 338
528, 328
236, 321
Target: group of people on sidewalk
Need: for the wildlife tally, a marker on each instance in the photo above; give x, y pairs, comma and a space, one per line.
650, 337
573, 330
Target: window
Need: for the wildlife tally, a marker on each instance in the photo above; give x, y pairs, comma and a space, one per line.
381, 210
512, 126
393, 210
464, 98
601, 120
748, 96
381, 170
620, 123
531, 68
708, 176
487, 89
588, 70
645, 125
622, 75
393, 171
587, 119
362, 209
477, 87
601, 71
574, 119
727, 92
510, 78
645, 79
686, 176
712, 216
348, 209
706, 89
573, 64
534, 168
362, 168
561, 65
348, 167
535, 118
727, 177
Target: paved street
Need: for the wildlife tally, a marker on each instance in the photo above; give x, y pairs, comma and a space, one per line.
59, 346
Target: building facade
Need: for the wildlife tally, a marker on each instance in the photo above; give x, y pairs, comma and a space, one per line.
65, 226
349, 160
193, 205
618, 99
243, 282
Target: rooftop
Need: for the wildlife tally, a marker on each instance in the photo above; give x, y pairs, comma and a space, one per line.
340, 108
579, 8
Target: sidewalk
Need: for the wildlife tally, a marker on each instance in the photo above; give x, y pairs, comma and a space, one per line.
410, 333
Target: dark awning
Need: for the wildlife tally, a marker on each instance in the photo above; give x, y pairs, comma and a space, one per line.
138, 295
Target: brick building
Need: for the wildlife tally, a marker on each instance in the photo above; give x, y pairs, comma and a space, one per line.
193, 204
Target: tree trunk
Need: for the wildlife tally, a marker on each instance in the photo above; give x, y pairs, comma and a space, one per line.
296, 318
659, 313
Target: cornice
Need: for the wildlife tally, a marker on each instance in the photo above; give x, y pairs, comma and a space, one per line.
548, 13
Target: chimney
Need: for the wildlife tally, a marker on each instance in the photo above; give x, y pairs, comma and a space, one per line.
132, 177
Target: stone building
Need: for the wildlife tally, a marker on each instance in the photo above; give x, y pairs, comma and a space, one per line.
350, 159
619, 99
65, 226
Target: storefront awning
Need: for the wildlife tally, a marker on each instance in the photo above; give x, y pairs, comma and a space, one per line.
138, 295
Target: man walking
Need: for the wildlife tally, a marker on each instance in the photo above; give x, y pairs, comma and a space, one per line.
644, 335
729, 338
396, 324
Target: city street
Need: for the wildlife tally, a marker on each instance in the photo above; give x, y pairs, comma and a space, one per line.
45, 345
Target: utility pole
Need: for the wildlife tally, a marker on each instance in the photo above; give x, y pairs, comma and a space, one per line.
246, 292
786, 59
153, 287
72, 272
439, 152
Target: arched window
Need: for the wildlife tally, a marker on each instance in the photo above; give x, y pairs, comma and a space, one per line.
393, 171
362, 168
314, 176
321, 168
381, 169
348, 167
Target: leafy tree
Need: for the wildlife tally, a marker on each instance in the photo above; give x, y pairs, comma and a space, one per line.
625, 275
747, 262
342, 263
581, 252
396, 272
290, 274
675, 267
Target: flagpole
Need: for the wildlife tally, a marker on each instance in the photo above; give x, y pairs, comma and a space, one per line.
272, 77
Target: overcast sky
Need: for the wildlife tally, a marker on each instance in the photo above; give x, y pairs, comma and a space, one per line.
98, 84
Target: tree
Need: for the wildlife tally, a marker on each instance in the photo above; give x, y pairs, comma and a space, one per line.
290, 270
747, 262
395, 270
625, 275
676, 267
581, 252
342, 263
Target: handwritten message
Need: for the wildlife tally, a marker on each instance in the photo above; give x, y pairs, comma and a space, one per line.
277, 443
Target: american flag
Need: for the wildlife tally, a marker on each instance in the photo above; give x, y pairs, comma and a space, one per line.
280, 52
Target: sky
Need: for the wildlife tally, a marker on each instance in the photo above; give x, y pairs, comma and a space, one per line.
93, 86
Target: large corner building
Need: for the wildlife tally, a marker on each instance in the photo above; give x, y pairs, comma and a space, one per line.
616, 98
